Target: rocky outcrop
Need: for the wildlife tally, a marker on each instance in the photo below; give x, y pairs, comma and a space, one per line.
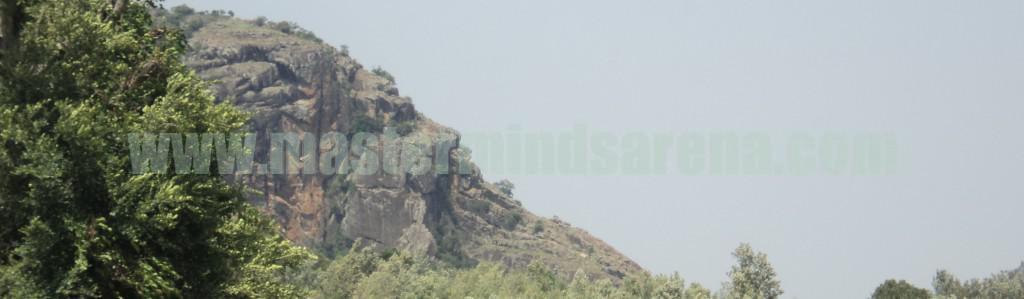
297, 85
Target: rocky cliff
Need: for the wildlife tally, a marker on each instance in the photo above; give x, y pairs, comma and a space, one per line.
291, 82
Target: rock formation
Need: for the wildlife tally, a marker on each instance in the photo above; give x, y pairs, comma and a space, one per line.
292, 83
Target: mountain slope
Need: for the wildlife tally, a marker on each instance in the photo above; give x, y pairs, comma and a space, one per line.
293, 83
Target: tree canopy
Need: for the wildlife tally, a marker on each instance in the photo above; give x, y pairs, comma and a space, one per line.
752, 277
893, 289
76, 77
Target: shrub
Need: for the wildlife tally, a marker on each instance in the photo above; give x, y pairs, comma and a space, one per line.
192, 25
183, 10
510, 219
260, 21
478, 206
384, 74
366, 124
405, 128
538, 227
505, 186
892, 289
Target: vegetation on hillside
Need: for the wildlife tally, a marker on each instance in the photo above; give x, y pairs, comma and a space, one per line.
365, 273
190, 21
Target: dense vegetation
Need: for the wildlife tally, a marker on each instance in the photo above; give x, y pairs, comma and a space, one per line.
76, 77
364, 273
1006, 284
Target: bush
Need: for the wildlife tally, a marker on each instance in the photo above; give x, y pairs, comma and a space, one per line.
405, 128
260, 21
509, 219
183, 10
478, 206
192, 25
366, 124
306, 34
291, 28
538, 227
505, 186
892, 289
284, 26
384, 74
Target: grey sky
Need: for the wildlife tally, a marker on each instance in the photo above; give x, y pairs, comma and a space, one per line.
946, 77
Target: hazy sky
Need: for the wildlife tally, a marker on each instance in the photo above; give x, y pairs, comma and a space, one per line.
945, 77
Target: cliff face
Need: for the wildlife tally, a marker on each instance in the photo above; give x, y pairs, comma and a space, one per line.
298, 85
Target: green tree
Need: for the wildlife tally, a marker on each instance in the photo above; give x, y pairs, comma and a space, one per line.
402, 276
892, 289
1005, 284
344, 273
669, 287
752, 276
76, 77
948, 286
697, 291
580, 286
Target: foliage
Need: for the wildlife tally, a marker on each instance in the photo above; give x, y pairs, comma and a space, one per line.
77, 223
344, 274
190, 21
752, 276
509, 219
366, 274
478, 207
892, 289
697, 291
506, 187
1006, 284
260, 21
182, 10
14, 284
404, 128
449, 250
291, 29
384, 74
538, 227
185, 18
366, 124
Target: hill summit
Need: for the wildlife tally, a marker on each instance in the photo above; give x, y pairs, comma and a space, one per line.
292, 82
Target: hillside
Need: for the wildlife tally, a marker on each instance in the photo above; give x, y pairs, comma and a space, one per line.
293, 83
